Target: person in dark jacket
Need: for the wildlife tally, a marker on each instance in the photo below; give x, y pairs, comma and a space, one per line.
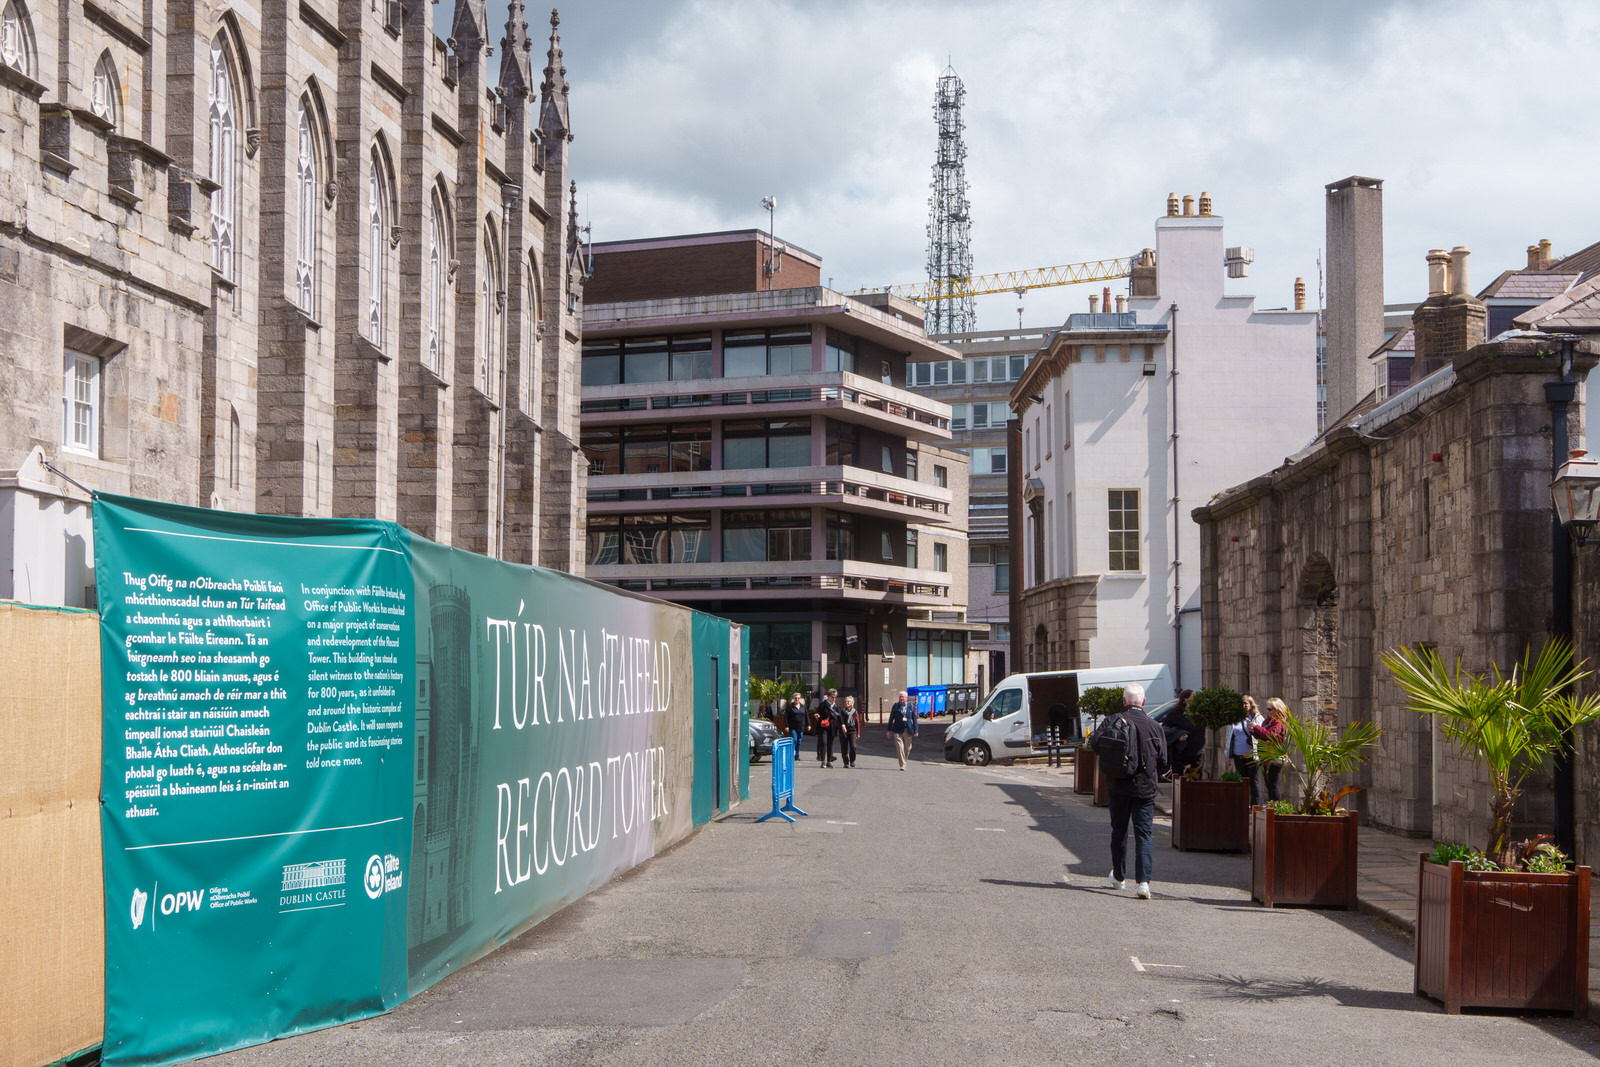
902, 727
825, 723
849, 730
794, 717
1186, 741
1134, 799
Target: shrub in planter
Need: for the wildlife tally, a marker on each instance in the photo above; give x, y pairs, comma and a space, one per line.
1093, 704
1214, 814
1507, 927
1305, 852
1216, 708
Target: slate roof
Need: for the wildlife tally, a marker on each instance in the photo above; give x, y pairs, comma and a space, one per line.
1577, 310
1530, 285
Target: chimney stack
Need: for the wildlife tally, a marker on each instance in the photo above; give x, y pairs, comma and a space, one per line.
1299, 294
1094, 304
1105, 299
1172, 204
1205, 203
1188, 206
1547, 253
1354, 315
1534, 261
1122, 303
1451, 321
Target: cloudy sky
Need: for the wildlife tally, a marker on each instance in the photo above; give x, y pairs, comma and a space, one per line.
1080, 118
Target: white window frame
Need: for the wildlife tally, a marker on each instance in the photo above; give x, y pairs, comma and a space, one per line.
80, 404
16, 38
377, 250
433, 346
307, 235
224, 148
1137, 530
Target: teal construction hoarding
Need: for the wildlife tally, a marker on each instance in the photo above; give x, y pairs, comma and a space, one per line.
342, 761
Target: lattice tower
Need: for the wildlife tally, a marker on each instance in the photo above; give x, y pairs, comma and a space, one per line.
949, 244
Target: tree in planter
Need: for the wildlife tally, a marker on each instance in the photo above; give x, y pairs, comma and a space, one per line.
1511, 725
769, 693
1317, 755
1100, 701
1216, 708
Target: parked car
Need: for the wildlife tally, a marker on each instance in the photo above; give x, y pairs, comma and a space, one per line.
763, 732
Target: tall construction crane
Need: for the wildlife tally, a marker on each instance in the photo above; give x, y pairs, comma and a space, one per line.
1014, 281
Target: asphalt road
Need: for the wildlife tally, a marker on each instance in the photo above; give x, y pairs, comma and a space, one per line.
944, 915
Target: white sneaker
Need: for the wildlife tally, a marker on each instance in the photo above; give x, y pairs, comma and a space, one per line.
1114, 882
1144, 890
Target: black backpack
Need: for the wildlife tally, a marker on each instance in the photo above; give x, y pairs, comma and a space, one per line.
1116, 746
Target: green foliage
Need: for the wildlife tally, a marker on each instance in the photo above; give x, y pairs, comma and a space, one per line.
1510, 724
1216, 708
1101, 700
1445, 853
771, 693
1230, 776
1535, 856
1317, 755
1282, 807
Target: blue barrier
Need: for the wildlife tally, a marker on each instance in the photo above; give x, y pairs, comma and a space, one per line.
783, 781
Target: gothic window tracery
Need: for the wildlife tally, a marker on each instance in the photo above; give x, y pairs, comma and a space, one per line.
103, 92
307, 234
224, 153
378, 249
16, 38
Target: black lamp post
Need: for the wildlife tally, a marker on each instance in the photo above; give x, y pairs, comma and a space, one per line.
1575, 489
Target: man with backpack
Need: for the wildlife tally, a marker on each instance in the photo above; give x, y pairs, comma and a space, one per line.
1132, 750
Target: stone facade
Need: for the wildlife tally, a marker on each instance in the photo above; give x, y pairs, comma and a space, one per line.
1424, 521
313, 262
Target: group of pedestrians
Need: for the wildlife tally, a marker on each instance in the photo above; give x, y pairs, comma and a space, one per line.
832, 722
1244, 743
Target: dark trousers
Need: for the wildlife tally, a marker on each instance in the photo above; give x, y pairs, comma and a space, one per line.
1272, 772
847, 747
1247, 770
1142, 813
824, 744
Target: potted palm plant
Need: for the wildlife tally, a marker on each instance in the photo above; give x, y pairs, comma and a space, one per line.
1095, 703
1212, 813
1507, 927
1304, 852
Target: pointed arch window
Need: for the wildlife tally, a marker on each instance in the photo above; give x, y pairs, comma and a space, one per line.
224, 148
432, 349
488, 361
377, 249
530, 349
16, 38
104, 95
307, 238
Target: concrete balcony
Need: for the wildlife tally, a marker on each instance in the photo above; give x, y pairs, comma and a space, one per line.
845, 579
839, 394
842, 488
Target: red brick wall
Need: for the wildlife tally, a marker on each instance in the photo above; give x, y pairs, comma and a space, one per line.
689, 270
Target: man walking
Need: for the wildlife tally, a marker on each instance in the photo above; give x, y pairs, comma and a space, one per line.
1134, 799
902, 727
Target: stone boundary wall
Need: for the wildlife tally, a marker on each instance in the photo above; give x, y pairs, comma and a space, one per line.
1427, 521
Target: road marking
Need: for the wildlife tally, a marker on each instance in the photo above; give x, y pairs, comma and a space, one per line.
990, 829
836, 822
1140, 967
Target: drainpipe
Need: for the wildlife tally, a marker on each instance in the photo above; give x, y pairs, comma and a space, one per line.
1018, 563
1177, 551
1559, 395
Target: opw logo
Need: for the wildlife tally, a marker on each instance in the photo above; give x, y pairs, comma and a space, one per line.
170, 904
136, 911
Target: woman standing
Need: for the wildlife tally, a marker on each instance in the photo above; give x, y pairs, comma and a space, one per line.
849, 730
794, 717
1271, 728
1242, 749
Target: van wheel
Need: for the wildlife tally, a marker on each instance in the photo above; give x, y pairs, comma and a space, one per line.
975, 754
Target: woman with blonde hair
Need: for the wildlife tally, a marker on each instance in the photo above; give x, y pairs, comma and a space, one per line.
1271, 728
1242, 749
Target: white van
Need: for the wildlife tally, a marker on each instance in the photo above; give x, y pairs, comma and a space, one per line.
1017, 711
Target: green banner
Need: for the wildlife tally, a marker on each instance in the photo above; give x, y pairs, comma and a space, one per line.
342, 761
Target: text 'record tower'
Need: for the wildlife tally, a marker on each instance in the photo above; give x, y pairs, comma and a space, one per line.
949, 246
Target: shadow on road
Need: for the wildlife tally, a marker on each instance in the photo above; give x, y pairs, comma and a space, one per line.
1265, 989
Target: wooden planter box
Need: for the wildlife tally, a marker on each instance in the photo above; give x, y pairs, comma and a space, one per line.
1083, 770
1102, 788
1303, 859
1502, 939
1210, 816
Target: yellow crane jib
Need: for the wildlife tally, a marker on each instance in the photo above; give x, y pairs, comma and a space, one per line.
1015, 281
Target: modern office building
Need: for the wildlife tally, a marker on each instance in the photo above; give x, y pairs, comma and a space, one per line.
753, 451
1127, 421
977, 386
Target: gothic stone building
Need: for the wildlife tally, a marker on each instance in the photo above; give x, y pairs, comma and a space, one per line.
296, 258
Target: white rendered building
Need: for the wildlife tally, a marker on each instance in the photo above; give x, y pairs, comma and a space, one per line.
1127, 421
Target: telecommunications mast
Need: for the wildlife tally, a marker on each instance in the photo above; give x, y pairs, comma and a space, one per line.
949, 247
